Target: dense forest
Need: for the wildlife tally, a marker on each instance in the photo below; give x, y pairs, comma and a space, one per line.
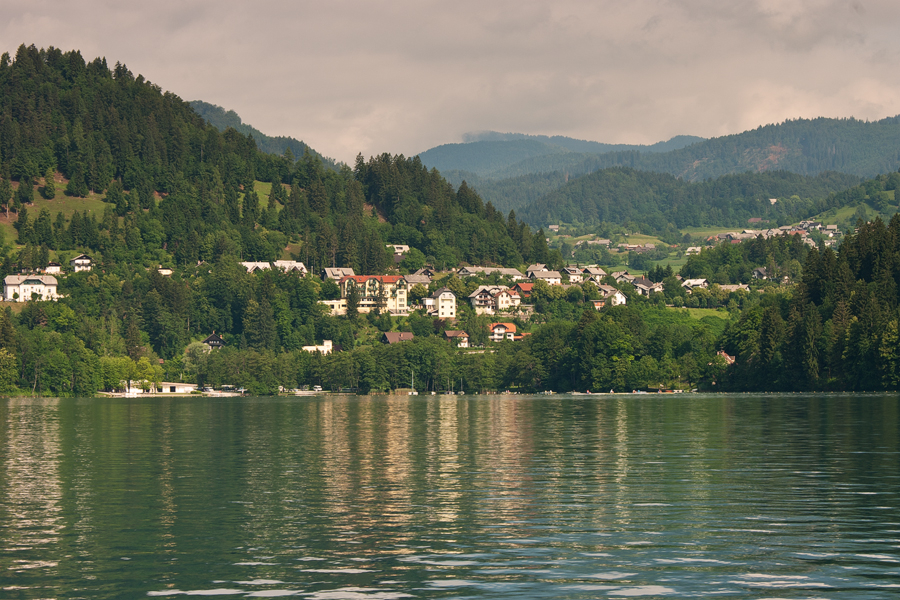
175, 183
655, 202
221, 119
490, 154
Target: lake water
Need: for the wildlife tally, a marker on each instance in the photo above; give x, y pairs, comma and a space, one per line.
334, 497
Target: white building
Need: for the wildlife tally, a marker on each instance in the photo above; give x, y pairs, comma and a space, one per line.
82, 262
21, 288
444, 303
325, 348
252, 267
489, 299
551, 277
290, 266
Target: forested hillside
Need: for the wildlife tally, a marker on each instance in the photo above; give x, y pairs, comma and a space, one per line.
221, 119
838, 329
178, 189
803, 146
493, 155
653, 202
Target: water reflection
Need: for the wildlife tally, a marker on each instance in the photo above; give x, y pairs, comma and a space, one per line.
389, 497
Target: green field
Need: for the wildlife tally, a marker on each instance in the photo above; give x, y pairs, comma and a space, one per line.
699, 313
67, 205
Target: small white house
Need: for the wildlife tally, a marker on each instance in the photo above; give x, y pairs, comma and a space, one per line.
326, 347
290, 266
21, 288
82, 262
444, 303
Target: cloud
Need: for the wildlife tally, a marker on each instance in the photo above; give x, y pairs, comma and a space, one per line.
403, 76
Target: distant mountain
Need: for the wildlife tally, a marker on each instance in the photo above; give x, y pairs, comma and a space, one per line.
499, 155
222, 119
575, 145
506, 176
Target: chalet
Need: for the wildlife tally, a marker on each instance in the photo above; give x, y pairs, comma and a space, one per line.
551, 277
414, 279
290, 266
336, 274
621, 276
760, 273
593, 272
645, 287
690, 284
488, 299
53, 268
394, 337
575, 274
326, 348
384, 292
502, 331
82, 262
444, 304
253, 267
523, 289
459, 338
609, 296
22, 288
214, 341
427, 271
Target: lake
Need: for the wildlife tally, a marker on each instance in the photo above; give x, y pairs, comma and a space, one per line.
346, 497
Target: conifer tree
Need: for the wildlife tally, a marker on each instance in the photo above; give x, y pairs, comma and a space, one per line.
5, 195
49, 189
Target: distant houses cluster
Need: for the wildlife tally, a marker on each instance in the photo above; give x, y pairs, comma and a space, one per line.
42, 285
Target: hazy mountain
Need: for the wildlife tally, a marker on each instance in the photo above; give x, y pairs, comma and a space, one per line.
509, 177
222, 119
499, 155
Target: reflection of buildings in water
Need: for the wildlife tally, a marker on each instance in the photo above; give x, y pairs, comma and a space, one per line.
31, 488
507, 458
443, 447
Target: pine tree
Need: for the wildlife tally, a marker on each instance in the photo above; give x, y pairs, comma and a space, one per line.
25, 192
5, 195
49, 189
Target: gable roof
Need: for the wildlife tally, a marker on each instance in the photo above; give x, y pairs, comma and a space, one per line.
443, 290
392, 337
417, 279
19, 279
510, 327
455, 333
214, 340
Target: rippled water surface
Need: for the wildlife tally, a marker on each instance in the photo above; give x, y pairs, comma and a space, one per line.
451, 497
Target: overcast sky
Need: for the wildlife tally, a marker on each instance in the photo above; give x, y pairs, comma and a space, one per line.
406, 75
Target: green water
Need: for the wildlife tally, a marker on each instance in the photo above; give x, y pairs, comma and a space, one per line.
335, 497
